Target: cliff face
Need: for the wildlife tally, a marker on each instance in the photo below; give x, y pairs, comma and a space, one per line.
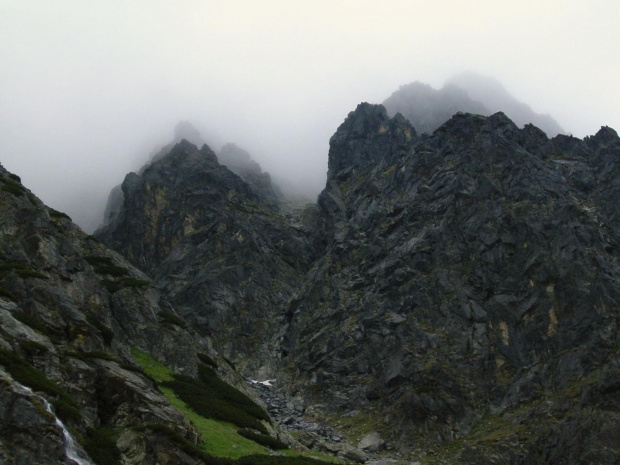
224, 254
73, 316
467, 299
456, 293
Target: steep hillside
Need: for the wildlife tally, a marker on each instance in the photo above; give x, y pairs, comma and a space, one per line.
467, 303
224, 254
83, 328
452, 297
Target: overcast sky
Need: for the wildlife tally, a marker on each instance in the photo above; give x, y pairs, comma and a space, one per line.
89, 87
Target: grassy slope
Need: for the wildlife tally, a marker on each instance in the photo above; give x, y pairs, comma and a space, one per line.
219, 437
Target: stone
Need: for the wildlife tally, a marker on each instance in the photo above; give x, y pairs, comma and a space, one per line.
372, 442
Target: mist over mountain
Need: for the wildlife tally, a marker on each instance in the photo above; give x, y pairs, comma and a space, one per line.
427, 108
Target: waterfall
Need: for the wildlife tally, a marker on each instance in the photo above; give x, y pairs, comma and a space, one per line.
73, 451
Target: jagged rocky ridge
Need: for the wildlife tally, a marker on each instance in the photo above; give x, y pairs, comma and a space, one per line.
427, 108
456, 292
224, 254
71, 311
468, 295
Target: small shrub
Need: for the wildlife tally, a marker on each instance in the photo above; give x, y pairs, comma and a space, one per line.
100, 445
31, 348
32, 321
135, 282
105, 265
90, 237
213, 398
189, 447
99, 354
14, 177
230, 394
57, 214
171, 318
21, 270
204, 358
106, 333
262, 439
7, 295
111, 286
13, 188
67, 410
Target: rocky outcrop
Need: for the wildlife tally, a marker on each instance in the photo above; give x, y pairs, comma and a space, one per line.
451, 298
224, 255
71, 314
467, 298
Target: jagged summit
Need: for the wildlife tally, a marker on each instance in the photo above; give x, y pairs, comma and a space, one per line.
427, 108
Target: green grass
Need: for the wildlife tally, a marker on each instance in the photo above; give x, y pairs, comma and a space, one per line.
262, 439
219, 437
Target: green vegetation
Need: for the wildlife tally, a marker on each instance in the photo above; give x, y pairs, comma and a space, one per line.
219, 437
21, 269
105, 265
189, 447
106, 333
32, 321
116, 285
211, 397
57, 214
135, 282
7, 294
26, 374
204, 358
100, 445
13, 188
262, 439
111, 286
31, 348
14, 177
93, 354
170, 319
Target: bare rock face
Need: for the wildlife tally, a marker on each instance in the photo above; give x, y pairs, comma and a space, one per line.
225, 256
468, 290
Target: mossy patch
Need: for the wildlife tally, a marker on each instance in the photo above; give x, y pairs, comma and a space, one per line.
105, 266
100, 445
169, 318
21, 270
